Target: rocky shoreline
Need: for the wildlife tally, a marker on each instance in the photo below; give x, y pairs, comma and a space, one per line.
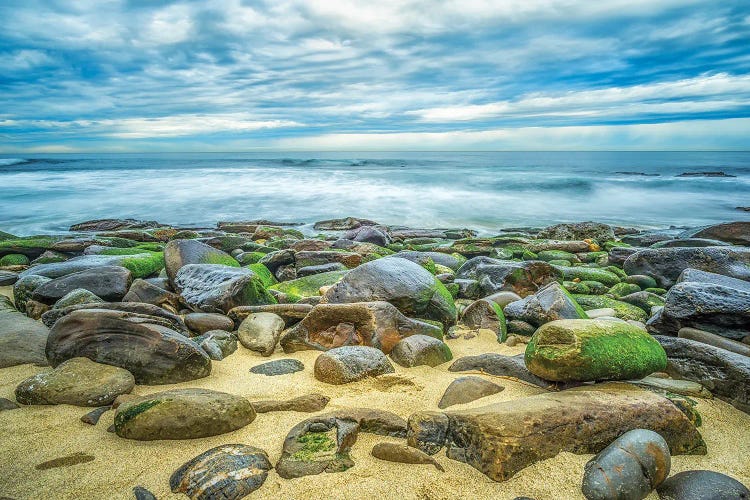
204, 349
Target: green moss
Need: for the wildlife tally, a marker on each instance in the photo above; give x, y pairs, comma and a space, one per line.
552, 255
623, 310
264, 274
453, 288
642, 281
529, 255
223, 259
609, 245
308, 286
445, 303
616, 270
594, 257
28, 243
246, 258
124, 251
314, 445
589, 274
14, 259
564, 263
501, 253
124, 416
144, 264
577, 287
622, 289
657, 291
596, 287
7, 236
114, 241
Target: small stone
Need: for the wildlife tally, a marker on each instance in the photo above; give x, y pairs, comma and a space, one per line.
92, 417
278, 367
201, 323
142, 493
7, 404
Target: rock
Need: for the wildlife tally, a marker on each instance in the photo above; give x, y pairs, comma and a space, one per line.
499, 365
623, 310
322, 268
584, 273
201, 323
320, 444
343, 365
668, 385
493, 275
439, 258
368, 234
218, 344
79, 382
92, 417
99, 225
278, 367
179, 253
550, 303
689, 242
380, 422
32, 246
7, 404
699, 276
14, 259
159, 315
487, 314
344, 224
8, 278
308, 286
737, 233
629, 468
588, 350
417, 350
182, 414
318, 258
376, 324
35, 310
579, 231
22, 340
714, 340
145, 291
76, 297
560, 245
110, 283
644, 300
427, 431
278, 259
66, 461
403, 454
219, 288
406, 285
229, 471
140, 265
503, 298
701, 485
666, 264
260, 332
141, 344
501, 439
468, 389
290, 313
308, 403
24, 288
142, 493
726, 374
601, 313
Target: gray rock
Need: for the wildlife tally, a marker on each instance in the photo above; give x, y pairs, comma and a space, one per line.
162, 316
201, 323
702, 485
8, 278
110, 283
219, 288
218, 344
260, 332
714, 340
417, 350
22, 340
503, 298
699, 276
92, 417
550, 303
578, 231
24, 288
76, 297
689, 242
7, 404
737, 233
99, 225
146, 291
278, 367
321, 268
427, 431
493, 275
500, 365
343, 365
484, 313
142, 493
368, 234
468, 389
440, 258
179, 253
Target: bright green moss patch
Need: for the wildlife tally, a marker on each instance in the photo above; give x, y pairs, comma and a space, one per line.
583, 273
308, 286
314, 445
7, 236
14, 259
264, 274
144, 264
217, 258
623, 310
32, 242
623, 289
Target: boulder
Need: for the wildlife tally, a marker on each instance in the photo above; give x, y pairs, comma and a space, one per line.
737, 233
701, 485
76, 297
467, 389
24, 288
182, 414
149, 293
342, 224
502, 439
260, 332
316, 445
522, 278
427, 431
417, 350
579, 231
159, 315
406, 285
376, 324
726, 374
290, 313
583, 273
587, 350
343, 365
141, 344
179, 253
666, 264
22, 340
308, 286
140, 265
79, 382
219, 288
229, 471
501, 366
439, 258
318, 258
630, 467
368, 234
550, 303
487, 314
218, 344
99, 225
109, 283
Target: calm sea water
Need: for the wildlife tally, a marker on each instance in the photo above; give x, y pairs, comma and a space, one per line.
486, 191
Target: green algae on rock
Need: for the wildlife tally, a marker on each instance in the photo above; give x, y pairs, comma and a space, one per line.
623, 310
589, 350
309, 286
584, 273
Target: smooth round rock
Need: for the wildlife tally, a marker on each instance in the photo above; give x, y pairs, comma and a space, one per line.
79, 382
701, 485
260, 332
342, 365
417, 350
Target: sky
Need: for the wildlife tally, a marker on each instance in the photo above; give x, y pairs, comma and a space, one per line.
234, 75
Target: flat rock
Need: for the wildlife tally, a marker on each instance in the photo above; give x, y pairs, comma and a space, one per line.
157, 314
714, 340
113, 225
109, 283
417, 350
201, 323
500, 365
701, 485
403, 454
140, 265
343, 365
468, 389
182, 414
737, 233
308, 403
278, 367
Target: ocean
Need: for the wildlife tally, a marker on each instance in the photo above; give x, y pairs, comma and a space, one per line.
481, 190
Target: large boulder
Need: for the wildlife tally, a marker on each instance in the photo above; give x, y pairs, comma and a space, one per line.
79, 382
179, 253
726, 374
493, 275
737, 232
550, 303
351, 363
182, 414
109, 283
144, 345
406, 285
587, 350
376, 324
579, 231
666, 264
502, 439
219, 288
22, 340
156, 314
419, 350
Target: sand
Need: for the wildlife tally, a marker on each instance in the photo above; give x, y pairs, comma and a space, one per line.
32, 435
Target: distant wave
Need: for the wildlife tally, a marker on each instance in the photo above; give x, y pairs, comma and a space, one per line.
4, 162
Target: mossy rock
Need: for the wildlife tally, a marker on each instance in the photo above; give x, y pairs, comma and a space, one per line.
265, 275
657, 291
50, 257
616, 270
596, 287
642, 281
578, 287
564, 263
553, 255
14, 259
590, 350
609, 245
589, 274
501, 253
594, 257
7, 236
32, 246
308, 286
453, 289
622, 289
623, 310
246, 258
144, 265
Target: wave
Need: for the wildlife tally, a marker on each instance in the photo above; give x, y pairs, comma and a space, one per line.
4, 162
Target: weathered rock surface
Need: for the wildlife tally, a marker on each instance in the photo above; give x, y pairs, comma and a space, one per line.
161, 316
714, 340
468, 389
488, 314
141, 344
179, 253
578, 231
737, 233
701, 485
201, 323
550, 303
376, 324
147, 292
290, 313
98, 225
316, 445
218, 344
109, 283
417, 350
182, 414
260, 332
140, 265
493, 275
278, 367
403, 454
229, 472
79, 382
343, 365
219, 288
22, 340
499, 365
308, 403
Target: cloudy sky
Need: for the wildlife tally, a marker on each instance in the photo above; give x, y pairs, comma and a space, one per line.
234, 75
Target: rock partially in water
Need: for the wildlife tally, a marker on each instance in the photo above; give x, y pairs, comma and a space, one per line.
229, 471
737, 233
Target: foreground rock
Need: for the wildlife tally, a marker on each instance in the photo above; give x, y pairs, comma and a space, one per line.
141, 344
109, 283
278, 367
182, 414
726, 374
403, 454
343, 365
550, 303
79, 382
308, 403
589, 350
467, 389
260, 332
630, 467
499, 365
230, 471
419, 350
377, 324
219, 288
319, 444
406, 285
493, 275
22, 340
501, 439
700, 485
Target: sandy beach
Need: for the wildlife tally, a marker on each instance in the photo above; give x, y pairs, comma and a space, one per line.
32, 435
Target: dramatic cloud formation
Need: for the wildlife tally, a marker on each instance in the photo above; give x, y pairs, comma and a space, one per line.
137, 75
